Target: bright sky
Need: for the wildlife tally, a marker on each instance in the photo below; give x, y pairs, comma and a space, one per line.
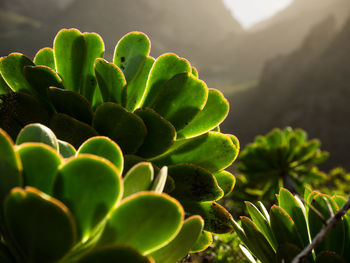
250, 12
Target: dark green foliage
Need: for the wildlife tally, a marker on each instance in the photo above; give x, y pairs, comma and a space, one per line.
280, 158
291, 225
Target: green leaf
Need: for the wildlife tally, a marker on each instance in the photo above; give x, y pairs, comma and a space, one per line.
262, 223
14, 113
283, 227
45, 57
115, 254
160, 136
37, 133
4, 88
203, 242
94, 49
131, 52
41, 78
71, 130
247, 253
10, 167
71, 103
33, 219
179, 247
187, 96
70, 55
296, 211
194, 72
126, 129
111, 81
329, 257
104, 147
11, 69
136, 88
287, 252
216, 218
66, 149
90, 186
36, 173
212, 151
160, 180
213, 113
259, 246
138, 178
132, 223
164, 68
226, 181
193, 183
326, 207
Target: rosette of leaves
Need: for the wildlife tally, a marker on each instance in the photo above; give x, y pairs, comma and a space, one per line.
337, 182
79, 209
281, 158
156, 110
290, 226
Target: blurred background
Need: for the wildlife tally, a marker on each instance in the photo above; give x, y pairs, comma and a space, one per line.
278, 62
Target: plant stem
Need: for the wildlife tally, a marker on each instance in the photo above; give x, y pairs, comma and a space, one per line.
323, 233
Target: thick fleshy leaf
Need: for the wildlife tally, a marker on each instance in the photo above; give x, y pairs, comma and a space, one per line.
194, 72
94, 49
45, 57
213, 113
14, 113
329, 257
36, 173
258, 244
193, 183
159, 183
284, 228
326, 207
41, 78
11, 69
212, 151
71, 103
203, 242
104, 147
37, 133
71, 130
90, 186
160, 133
287, 252
115, 254
216, 218
262, 223
111, 81
137, 86
33, 219
125, 128
179, 247
187, 96
226, 181
70, 55
164, 68
138, 178
296, 211
132, 223
247, 253
10, 167
66, 149
4, 88
131, 52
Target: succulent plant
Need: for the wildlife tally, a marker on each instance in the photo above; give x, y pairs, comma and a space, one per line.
80, 209
290, 226
156, 110
281, 158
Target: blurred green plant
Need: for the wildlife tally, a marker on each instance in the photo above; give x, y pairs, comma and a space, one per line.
156, 110
80, 209
336, 182
281, 158
290, 226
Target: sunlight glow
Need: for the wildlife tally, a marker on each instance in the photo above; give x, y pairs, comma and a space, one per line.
250, 12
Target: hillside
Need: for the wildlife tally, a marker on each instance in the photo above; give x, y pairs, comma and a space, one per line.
309, 88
